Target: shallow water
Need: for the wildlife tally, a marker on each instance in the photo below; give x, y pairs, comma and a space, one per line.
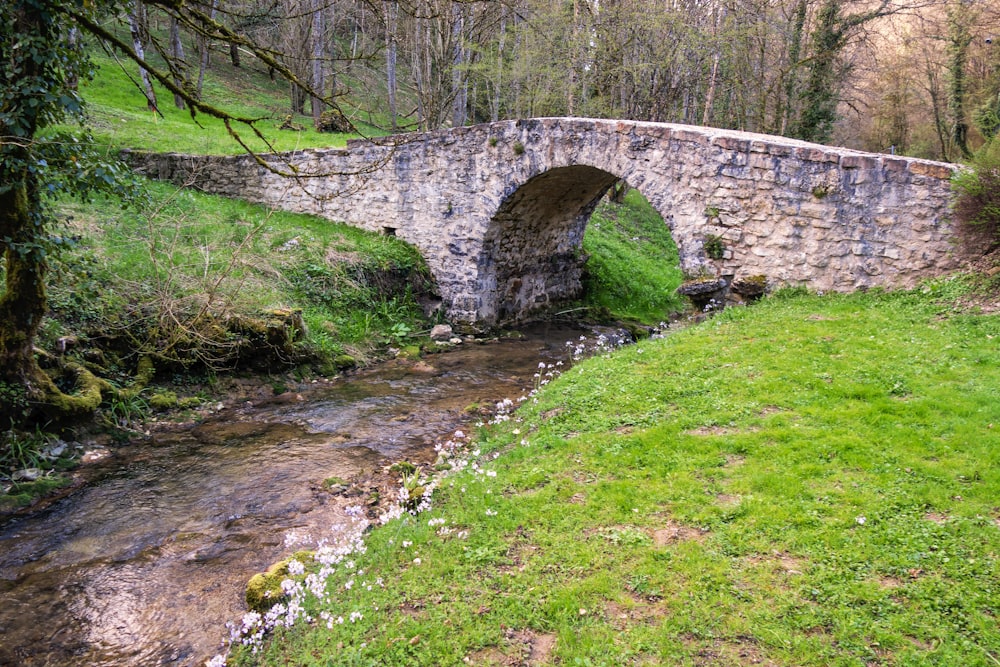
146, 564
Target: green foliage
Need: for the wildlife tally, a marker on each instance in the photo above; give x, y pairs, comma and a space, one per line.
715, 246
126, 411
118, 117
21, 449
977, 201
633, 269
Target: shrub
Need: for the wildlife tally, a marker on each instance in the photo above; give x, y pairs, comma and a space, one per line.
977, 201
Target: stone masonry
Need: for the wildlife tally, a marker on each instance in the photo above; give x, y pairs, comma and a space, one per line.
498, 210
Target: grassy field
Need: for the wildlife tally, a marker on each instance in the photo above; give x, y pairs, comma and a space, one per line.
807, 481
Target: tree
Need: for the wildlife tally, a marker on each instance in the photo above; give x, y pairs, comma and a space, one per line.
38, 64
825, 71
960, 21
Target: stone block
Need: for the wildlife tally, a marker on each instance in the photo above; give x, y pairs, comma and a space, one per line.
868, 162
932, 169
808, 154
732, 144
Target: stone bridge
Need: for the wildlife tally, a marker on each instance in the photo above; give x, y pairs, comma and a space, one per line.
499, 210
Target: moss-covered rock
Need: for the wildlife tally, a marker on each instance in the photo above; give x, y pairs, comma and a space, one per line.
163, 400
344, 362
264, 590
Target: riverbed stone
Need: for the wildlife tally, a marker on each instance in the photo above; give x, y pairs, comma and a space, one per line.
441, 332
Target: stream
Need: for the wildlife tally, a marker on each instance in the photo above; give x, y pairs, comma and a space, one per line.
146, 563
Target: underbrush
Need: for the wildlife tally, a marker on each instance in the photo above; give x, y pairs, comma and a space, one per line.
807, 481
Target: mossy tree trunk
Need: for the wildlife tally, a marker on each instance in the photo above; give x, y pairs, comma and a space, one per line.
959, 39
22, 304
37, 67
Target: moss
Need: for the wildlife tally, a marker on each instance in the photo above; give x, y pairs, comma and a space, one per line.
263, 591
344, 362
403, 468
163, 400
410, 352
715, 247
821, 191
518, 148
331, 482
86, 399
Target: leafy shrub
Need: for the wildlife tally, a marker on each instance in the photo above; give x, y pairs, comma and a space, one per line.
977, 203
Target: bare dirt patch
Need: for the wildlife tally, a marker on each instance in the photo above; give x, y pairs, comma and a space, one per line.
519, 554
711, 430
728, 500
780, 561
733, 460
936, 517
986, 299
735, 651
640, 611
521, 648
674, 532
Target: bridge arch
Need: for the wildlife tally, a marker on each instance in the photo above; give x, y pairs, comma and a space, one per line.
532, 255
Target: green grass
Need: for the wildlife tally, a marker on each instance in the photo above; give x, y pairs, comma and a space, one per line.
633, 270
118, 117
807, 481
133, 270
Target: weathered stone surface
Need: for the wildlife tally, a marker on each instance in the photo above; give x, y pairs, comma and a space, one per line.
499, 210
441, 332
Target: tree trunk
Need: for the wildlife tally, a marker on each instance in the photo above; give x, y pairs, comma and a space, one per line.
177, 54
22, 304
791, 77
820, 96
959, 38
73, 41
203, 52
391, 23
459, 98
316, 67
138, 27
234, 54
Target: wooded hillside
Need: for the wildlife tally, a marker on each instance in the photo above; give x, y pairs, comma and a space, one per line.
919, 77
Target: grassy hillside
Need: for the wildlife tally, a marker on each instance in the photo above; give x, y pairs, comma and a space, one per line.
119, 118
808, 481
633, 269
134, 271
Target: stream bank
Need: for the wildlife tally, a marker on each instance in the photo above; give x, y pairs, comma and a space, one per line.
145, 562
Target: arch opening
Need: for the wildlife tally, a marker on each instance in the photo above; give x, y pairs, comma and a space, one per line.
533, 256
